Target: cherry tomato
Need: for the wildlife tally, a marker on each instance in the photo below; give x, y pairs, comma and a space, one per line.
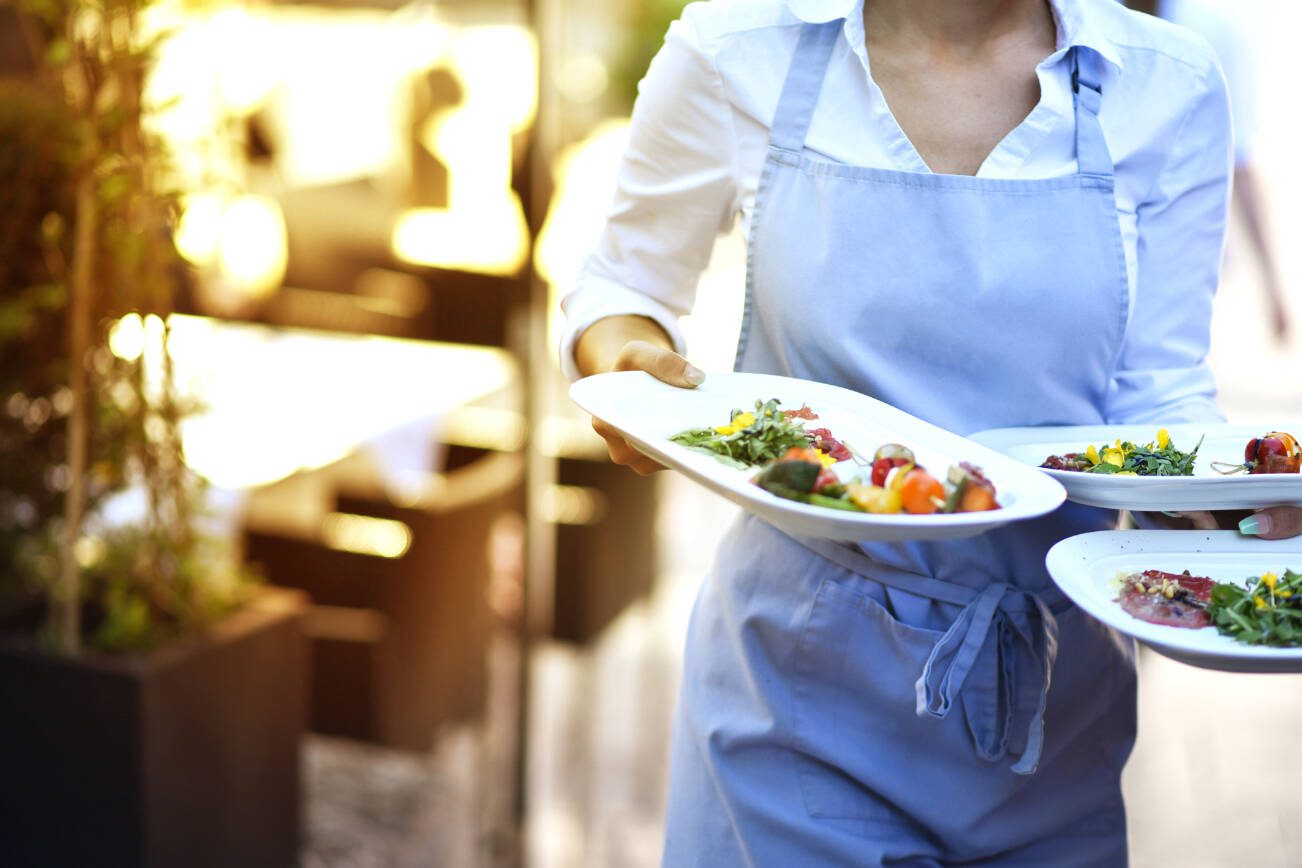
882, 468
895, 450
920, 491
977, 498
1276, 452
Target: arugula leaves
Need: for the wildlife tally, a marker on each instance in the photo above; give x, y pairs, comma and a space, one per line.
1150, 460
765, 439
1266, 610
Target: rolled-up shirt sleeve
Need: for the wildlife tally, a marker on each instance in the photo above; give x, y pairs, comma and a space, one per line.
675, 192
1163, 374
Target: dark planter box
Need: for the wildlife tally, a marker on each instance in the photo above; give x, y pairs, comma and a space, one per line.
187, 756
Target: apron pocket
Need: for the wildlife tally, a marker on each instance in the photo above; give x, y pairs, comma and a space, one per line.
856, 733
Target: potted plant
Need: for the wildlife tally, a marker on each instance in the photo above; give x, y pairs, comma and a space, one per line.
152, 696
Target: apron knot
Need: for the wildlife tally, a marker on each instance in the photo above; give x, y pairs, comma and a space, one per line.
1006, 634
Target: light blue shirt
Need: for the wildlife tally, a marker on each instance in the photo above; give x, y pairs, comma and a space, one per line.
700, 131
1234, 29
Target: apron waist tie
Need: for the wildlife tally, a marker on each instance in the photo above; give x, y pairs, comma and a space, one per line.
987, 618
1021, 687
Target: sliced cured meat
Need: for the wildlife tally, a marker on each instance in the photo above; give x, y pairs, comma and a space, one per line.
1071, 461
1173, 599
822, 439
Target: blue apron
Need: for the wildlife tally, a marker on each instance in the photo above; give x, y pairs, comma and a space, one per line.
914, 703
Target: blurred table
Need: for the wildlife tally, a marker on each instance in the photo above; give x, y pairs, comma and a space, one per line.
280, 401
329, 458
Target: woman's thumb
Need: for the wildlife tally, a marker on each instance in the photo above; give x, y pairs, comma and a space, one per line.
664, 365
1278, 522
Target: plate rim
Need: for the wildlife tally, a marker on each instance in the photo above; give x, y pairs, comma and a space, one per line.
1173, 641
1148, 493
1040, 499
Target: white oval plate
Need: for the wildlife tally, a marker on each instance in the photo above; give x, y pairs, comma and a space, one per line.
1206, 489
648, 412
1086, 567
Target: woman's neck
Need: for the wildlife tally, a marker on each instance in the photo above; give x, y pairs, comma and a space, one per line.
962, 26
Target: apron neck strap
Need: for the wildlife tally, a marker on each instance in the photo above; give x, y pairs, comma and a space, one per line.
1092, 155
803, 83
809, 65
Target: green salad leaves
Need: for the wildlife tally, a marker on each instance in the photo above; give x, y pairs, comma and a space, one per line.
1123, 458
750, 438
1266, 610
1149, 460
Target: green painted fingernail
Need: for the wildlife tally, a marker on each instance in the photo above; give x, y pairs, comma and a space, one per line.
1253, 525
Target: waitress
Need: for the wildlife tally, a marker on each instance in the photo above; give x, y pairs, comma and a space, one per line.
987, 213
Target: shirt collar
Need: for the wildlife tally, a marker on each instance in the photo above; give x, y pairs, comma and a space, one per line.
1078, 22
820, 11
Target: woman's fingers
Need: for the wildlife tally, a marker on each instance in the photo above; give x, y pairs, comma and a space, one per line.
664, 365
1202, 520
1277, 522
1192, 519
621, 452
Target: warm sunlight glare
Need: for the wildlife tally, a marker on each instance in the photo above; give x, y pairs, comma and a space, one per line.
253, 251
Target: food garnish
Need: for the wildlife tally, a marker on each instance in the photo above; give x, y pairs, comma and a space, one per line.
799, 475
1173, 599
971, 492
920, 492
908, 488
797, 464
750, 439
825, 443
1123, 458
1266, 610
1275, 452
887, 458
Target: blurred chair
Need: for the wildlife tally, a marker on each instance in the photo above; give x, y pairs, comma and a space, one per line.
400, 621
605, 543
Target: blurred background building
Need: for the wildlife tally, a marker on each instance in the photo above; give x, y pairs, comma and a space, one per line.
379, 204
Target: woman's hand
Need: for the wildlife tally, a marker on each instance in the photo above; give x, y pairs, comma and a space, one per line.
632, 343
1277, 522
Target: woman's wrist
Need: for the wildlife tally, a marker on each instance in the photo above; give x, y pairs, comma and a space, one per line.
597, 349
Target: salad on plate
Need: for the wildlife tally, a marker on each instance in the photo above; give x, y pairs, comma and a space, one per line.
801, 463
1262, 610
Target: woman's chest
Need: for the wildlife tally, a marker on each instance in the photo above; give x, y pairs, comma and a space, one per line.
954, 116
853, 125
1028, 137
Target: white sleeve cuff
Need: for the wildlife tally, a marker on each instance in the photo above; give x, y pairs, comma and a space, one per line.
597, 298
